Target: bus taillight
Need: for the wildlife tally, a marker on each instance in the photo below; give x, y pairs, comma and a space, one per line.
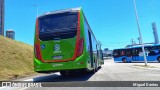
80, 47
37, 52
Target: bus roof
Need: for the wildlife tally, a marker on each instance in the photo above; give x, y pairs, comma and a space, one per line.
146, 45
138, 46
62, 11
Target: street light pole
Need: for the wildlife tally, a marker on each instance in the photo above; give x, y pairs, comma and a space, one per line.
141, 41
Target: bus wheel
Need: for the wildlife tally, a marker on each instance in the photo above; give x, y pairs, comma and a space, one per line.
99, 67
124, 60
94, 69
63, 73
158, 59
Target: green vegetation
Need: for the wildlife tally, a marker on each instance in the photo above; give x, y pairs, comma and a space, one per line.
16, 59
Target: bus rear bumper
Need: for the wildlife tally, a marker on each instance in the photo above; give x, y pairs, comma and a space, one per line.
79, 63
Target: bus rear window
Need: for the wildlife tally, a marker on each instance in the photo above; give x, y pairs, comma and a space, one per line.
58, 23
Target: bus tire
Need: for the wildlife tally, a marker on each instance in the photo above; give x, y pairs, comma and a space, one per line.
94, 69
124, 60
99, 67
158, 59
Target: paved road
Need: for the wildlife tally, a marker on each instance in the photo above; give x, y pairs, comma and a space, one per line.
110, 71
127, 72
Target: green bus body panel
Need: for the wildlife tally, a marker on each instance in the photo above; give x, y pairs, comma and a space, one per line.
40, 66
67, 48
67, 51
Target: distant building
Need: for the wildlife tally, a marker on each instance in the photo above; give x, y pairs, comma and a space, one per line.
10, 34
107, 53
2, 17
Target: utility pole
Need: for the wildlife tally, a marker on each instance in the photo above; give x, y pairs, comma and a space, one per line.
141, 41
132, 41
36, 9
36, 5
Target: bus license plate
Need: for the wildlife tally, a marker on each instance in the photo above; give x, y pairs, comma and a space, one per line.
57, 57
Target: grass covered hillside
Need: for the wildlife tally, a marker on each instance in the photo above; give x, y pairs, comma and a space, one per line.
16, 59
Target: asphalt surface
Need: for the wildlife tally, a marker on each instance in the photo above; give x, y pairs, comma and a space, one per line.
110, 71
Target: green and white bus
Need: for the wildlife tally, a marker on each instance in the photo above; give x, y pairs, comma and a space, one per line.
64, 42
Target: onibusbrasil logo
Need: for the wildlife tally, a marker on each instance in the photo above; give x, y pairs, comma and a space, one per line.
21, 84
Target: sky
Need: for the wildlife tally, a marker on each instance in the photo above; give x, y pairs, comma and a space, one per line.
112, 21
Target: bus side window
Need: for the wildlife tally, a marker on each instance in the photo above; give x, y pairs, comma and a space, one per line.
151, 51
139, 50
97, 51
147, 50
158, 49
155, 50
133, 52
116, 53
122, 53
128, 53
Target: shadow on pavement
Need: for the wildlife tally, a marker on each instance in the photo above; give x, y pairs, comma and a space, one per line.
137, 62
58, 78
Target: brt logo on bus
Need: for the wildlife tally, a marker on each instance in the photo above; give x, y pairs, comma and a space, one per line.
141, 53
57, 48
